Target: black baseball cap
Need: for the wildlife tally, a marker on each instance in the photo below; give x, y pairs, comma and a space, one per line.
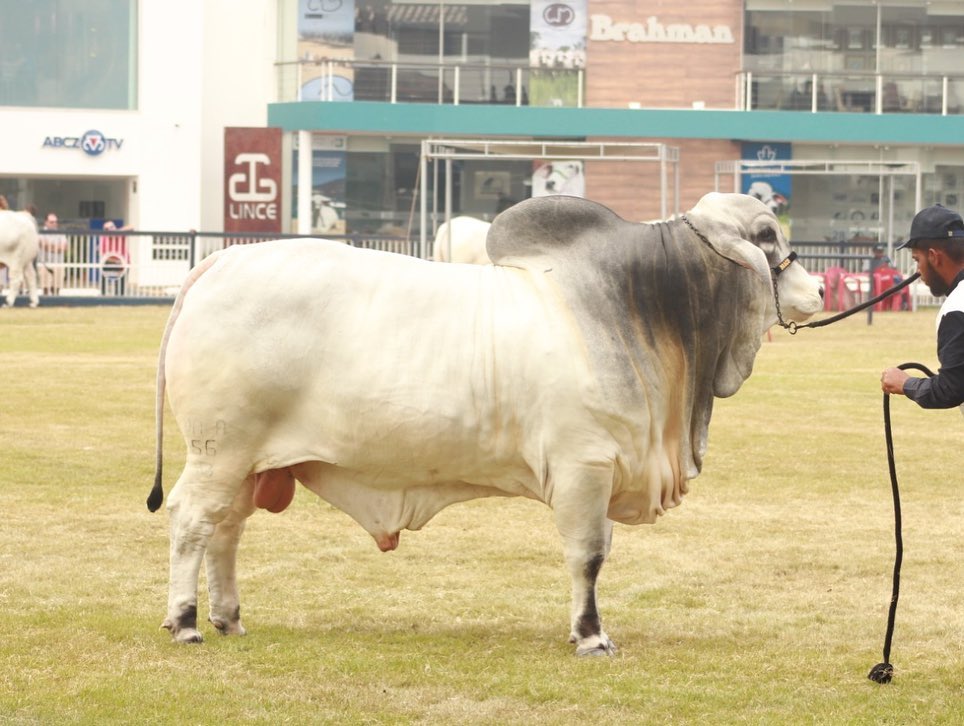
934, 223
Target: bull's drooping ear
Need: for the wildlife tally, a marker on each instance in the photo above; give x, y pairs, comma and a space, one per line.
743, 252
736, 360
748, 294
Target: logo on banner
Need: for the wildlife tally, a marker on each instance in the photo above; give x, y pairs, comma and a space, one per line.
766, 153
252, 195
252, 180
92, 143
558, 15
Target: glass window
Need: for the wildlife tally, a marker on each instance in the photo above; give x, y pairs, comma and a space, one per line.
488, 40
408, 31
68, 53
916, 37
380, 188
789, 40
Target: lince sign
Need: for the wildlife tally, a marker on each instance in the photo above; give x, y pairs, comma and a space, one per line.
652, 31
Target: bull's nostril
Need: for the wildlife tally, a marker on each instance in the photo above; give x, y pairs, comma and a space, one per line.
821, 292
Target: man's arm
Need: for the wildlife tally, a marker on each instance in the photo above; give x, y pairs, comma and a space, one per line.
946, 389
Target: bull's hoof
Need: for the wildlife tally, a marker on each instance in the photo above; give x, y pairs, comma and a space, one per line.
183, 635
188, 635
598, 645
228, 627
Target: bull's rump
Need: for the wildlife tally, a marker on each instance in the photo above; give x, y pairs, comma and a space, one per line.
399, 370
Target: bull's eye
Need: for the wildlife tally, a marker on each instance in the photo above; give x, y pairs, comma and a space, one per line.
767, 234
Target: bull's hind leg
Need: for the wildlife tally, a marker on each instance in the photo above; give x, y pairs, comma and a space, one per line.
220, 560
199, 502
15, 281
580, 503
33, 290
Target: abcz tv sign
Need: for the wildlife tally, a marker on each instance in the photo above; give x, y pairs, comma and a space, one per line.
252, 179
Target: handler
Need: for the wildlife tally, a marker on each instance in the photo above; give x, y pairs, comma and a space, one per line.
937, 245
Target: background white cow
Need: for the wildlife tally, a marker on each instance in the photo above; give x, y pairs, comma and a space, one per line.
467, 241
18, 250
579, 370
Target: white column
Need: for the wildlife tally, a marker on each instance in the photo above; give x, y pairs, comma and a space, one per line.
304, 182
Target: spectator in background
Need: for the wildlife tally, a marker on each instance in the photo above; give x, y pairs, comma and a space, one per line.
4, 204
878, 260
50, 261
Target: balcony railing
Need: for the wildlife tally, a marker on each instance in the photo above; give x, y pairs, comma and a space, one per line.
340, 79
335, 79
850, 92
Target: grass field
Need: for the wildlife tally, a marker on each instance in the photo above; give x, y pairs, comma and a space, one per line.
762, 599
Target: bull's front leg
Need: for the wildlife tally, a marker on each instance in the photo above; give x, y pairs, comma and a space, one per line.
220, 559
580, 503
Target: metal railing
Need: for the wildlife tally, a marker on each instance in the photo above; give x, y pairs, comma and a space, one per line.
850, 92
342, 79
154, 264
854, 261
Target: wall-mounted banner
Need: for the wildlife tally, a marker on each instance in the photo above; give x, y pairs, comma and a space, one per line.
329, 162
558, 50
326, 30
771, 189
252, 179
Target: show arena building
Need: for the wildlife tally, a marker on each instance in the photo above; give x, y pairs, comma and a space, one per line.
850, 111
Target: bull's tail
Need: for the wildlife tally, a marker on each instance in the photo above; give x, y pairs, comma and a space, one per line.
156, 497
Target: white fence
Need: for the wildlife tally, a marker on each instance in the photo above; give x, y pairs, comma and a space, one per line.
151, 264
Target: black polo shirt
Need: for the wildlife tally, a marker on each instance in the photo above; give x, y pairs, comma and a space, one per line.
946, 389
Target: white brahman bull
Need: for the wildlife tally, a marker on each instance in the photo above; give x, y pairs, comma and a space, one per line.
465, 244
578, 370
18, 250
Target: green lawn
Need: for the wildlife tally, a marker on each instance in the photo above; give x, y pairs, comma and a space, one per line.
762, 599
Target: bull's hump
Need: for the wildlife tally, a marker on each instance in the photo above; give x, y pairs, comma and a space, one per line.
550, 227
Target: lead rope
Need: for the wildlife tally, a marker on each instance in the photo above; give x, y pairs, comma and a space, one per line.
884, 672
793, 327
